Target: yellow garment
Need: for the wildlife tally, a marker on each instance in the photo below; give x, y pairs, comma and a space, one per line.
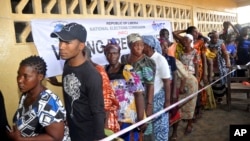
127, 74
210, 103
179, 51
210, 54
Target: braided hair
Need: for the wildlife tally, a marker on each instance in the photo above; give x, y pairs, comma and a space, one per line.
36, 62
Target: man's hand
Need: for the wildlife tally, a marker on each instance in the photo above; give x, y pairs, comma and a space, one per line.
54, 81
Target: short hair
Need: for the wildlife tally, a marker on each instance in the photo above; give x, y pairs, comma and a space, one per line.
190, 29
162, 31
36, 62
212, 33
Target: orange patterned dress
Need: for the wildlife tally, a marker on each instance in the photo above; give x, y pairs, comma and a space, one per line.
201, 49
111, 104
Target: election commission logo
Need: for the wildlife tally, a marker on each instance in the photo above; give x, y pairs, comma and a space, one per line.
240, 132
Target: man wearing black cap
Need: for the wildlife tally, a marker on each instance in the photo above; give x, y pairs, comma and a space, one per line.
82, 86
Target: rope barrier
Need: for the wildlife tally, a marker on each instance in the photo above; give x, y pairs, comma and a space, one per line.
121, 132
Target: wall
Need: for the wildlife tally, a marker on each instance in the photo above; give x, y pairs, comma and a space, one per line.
16, 41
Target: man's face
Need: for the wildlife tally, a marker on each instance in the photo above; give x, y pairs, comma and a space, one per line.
164, 47
165, 35
70, 49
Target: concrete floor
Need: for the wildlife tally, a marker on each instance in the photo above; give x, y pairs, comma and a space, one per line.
214, 124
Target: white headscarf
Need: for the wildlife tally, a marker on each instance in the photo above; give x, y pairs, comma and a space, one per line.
189, 36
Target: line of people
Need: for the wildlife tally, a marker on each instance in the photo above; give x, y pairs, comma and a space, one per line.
155, 74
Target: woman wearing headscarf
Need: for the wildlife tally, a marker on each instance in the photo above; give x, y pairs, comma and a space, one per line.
199, 45
187, 84
144, 67
153, 50
111, 104
189, 59
128, 90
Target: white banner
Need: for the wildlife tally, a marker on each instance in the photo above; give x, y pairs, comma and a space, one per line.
98, 33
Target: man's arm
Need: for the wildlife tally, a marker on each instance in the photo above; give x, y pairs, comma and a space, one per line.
96, 105
167, 90
225, 55
53, 80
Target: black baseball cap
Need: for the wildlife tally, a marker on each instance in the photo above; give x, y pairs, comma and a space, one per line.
70, 32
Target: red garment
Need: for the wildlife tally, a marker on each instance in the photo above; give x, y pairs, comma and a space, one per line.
111, 104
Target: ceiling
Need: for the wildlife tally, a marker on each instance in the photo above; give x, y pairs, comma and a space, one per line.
241, 3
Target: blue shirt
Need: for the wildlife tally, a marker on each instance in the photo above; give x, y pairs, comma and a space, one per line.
231, 48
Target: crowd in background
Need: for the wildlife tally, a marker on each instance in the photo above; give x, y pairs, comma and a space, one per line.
155, 74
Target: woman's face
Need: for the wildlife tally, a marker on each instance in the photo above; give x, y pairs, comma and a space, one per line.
215, 38
187, 42
28, 78
136, 48
113, 55
164, 47
195, 33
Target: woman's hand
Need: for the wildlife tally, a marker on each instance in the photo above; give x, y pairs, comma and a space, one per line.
182, 90
143, 127
228, 65
15, 134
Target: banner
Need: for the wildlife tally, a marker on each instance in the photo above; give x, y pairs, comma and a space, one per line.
99, 31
